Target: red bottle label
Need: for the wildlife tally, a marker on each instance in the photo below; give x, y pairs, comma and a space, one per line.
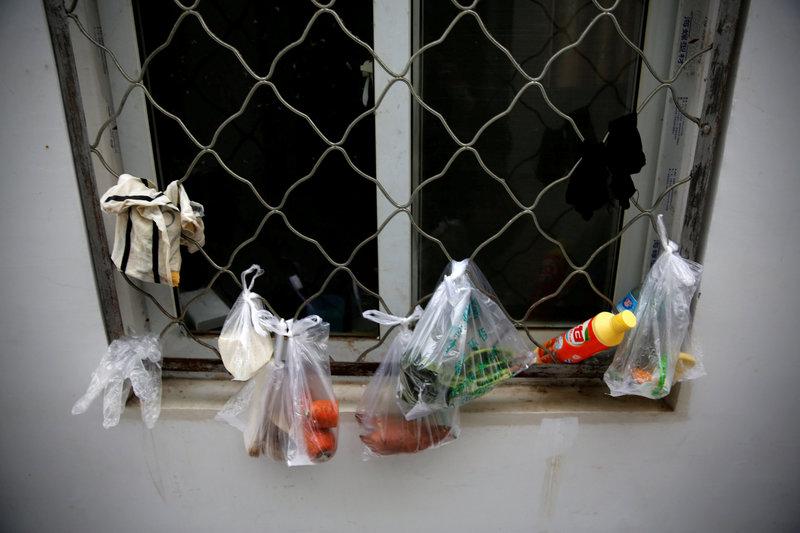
574, 346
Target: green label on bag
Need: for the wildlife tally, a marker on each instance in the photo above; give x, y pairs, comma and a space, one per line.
473, 310
477, 373
658, 390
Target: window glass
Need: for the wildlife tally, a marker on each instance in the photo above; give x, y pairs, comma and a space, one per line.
270, 148
469, 80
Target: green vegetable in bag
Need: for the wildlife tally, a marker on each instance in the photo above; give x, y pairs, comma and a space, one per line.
462, 347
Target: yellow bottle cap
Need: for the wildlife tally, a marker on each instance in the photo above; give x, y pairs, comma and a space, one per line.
623, 321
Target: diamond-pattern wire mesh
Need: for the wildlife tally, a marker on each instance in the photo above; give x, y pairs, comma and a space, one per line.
401, 76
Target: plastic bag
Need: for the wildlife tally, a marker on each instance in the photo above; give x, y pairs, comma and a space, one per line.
246, 412
690, 360
129, 361
288, 410
245, 346
463, 345
645, 363
384, 429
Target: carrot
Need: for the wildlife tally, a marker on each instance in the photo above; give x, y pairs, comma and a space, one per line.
324, 413
397, 435
641, 375
319, 442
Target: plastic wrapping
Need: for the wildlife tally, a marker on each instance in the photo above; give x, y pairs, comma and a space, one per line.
129, 362
245, 346
646, 361
383, 428
690, 361
463, 345
288, 410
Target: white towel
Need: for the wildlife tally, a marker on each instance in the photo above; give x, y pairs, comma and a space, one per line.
151, 226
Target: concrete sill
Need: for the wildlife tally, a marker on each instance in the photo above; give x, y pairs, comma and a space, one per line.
203, 398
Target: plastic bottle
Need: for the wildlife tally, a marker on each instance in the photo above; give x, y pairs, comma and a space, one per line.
590, 338
629, 302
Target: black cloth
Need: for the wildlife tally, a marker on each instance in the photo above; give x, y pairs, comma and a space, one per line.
625, 157
587, 189
604, 173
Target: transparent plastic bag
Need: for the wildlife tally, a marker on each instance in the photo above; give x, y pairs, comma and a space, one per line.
383, 428
690, 360
246, 412
288, 410
244, 345
645, 363
463, 345
129, 362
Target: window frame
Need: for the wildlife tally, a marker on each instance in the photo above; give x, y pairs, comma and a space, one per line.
123, 308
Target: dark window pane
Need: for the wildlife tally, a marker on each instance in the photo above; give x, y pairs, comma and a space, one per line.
271, 147
469, 80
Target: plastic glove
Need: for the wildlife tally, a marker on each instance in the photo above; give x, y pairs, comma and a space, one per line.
130, 361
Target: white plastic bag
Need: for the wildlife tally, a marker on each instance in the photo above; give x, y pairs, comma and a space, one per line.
690, 361
288, 410
129, 362
383, 428
462, 347
245, 346
246, 412
645, 363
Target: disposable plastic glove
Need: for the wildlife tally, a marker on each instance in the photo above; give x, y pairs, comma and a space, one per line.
130, 361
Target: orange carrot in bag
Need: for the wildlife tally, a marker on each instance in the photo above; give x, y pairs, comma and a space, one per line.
319, 442
397, 435
324, 413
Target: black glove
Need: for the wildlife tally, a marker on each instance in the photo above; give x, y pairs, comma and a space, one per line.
604, 172
587, 189
625, 157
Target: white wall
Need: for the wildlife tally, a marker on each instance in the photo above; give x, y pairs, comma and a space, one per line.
730, 460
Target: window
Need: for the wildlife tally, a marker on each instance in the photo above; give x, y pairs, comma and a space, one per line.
351, 185
470, 82
270, 148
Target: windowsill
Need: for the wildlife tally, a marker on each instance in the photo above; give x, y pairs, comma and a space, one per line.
203, 398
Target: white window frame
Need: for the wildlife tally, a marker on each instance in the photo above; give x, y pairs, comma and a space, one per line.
129, 147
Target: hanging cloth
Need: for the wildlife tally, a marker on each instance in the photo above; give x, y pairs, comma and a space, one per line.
151, 226
603, 176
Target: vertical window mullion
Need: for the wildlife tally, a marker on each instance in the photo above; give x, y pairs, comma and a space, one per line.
392, 42
669, 138
657, 46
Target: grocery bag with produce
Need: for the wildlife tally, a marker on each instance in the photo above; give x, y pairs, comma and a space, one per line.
288, 410
383, 428
463, 345
645, 363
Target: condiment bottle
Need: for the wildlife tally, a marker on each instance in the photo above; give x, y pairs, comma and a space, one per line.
597, 334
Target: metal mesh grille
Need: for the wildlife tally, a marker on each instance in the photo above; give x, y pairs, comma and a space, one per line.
402, 76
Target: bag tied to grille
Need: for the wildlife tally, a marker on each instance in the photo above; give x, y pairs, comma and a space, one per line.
463, 345
652, 357
382, 427
287, 410
151, 226
244, 344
